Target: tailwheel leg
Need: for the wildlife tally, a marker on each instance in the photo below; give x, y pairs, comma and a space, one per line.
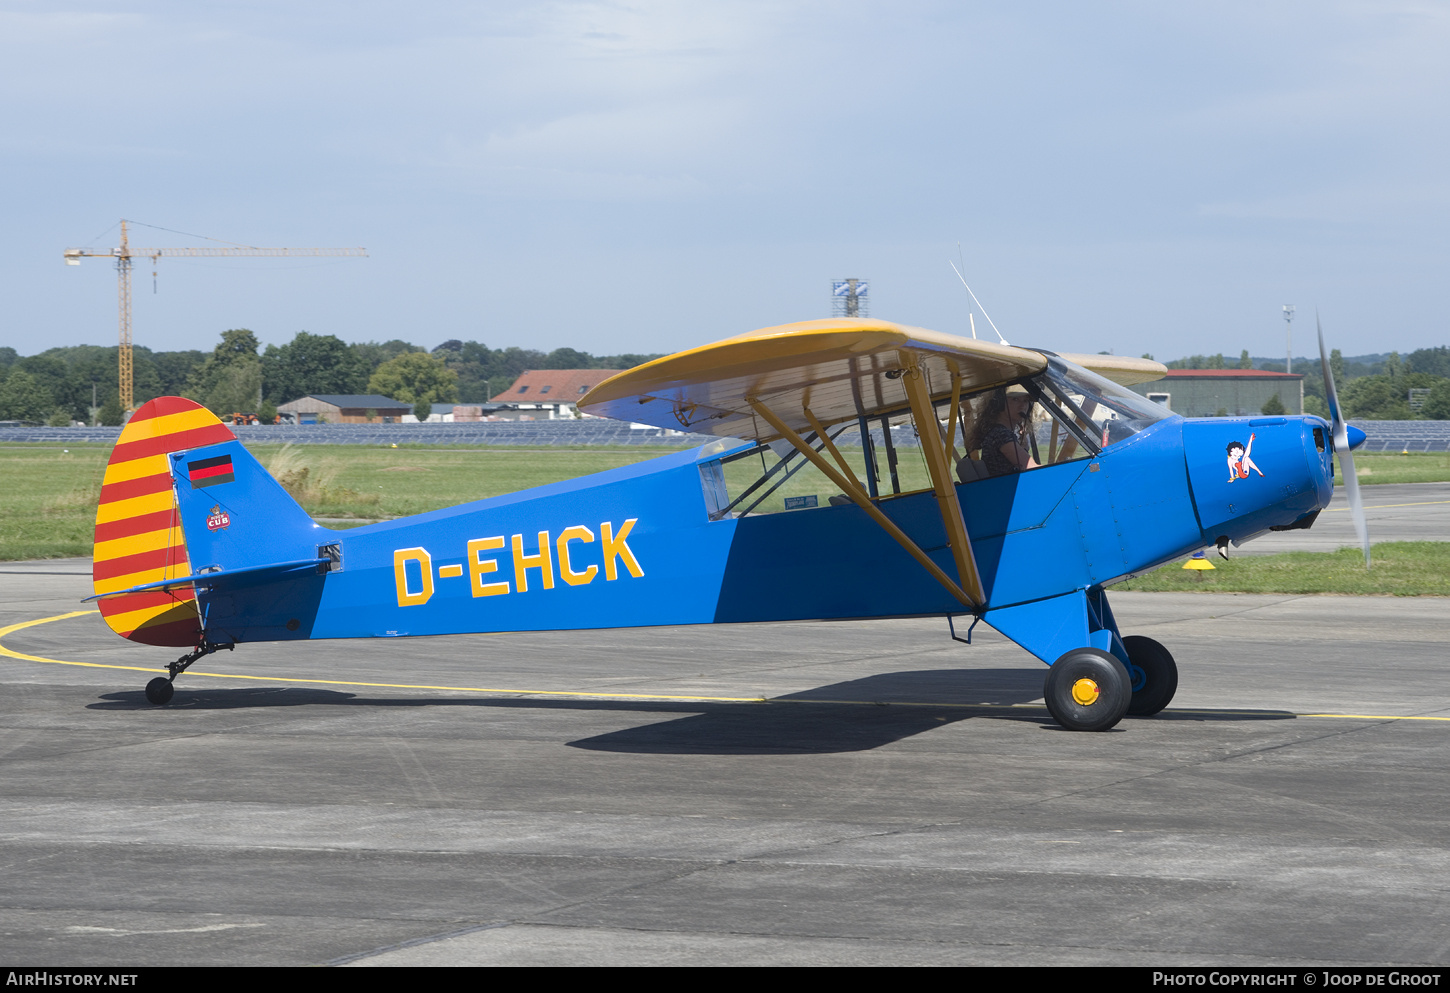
159, 691
1087, 690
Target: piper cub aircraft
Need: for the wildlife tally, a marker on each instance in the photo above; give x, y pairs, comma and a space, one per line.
861, 469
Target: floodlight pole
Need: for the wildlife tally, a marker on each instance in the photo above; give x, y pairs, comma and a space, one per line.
1289, 337
848, 297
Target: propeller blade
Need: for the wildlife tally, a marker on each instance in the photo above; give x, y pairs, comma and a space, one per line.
1340, 432
1356, 506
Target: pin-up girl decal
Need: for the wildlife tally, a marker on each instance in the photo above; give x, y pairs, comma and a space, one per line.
1239, 462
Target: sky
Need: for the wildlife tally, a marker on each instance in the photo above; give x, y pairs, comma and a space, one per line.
652, 176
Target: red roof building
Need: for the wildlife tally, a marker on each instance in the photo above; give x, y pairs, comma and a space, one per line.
549, 394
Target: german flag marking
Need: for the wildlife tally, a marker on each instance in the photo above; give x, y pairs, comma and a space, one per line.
210, 472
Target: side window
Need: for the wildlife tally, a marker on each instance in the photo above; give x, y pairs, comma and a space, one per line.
775, 478
1066, 430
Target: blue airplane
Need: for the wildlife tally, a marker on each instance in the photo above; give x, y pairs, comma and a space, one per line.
1009, 484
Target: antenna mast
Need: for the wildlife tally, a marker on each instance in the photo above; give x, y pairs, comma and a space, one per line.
1288, 337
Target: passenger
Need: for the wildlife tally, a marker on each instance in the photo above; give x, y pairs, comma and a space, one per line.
1001, 432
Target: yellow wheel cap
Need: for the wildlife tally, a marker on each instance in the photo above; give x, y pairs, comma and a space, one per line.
1085, 692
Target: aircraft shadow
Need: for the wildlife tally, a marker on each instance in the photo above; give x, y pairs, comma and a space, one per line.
860, 715
853, 716
857, 715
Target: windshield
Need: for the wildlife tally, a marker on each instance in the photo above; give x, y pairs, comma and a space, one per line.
1097, 407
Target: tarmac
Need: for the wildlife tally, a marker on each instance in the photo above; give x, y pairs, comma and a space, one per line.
1393, 512
848, 793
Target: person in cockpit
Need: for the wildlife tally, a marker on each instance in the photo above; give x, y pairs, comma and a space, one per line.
1001, 432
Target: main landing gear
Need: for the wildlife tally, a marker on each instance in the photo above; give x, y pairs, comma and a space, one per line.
160, 689
1154, 675
1091, 690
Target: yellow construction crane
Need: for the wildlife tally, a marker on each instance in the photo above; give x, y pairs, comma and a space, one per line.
124, 256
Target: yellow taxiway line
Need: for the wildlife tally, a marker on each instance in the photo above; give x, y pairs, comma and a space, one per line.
577, 694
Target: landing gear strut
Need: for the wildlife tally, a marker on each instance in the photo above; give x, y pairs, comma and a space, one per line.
160, 689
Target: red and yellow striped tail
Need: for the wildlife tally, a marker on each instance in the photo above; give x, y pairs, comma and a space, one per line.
138, 532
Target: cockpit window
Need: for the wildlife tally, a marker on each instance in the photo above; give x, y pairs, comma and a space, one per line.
1111, 412
1060, 415
1063, 414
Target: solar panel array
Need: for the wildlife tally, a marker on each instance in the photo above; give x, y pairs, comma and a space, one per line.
524, 433
1405, 436
1383, 436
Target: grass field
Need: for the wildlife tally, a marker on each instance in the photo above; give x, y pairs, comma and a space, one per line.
48, 499
1400, 568
1392, 467
48, 505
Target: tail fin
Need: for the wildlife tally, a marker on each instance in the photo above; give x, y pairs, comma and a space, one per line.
138, 528
235, 515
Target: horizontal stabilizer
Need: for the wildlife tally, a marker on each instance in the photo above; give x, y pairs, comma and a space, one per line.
224, 578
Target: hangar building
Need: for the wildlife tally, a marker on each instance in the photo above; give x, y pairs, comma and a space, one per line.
1231, 392
346, 408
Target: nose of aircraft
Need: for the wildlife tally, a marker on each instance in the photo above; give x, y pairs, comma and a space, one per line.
1356, 436
1251, 475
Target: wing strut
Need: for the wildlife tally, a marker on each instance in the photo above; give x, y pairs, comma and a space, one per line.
852, 489
938, 464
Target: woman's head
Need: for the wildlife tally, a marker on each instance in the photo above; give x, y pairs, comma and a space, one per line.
1006, 404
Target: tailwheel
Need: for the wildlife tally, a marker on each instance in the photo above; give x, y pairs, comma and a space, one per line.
159, 690
1087, 690
1154, 675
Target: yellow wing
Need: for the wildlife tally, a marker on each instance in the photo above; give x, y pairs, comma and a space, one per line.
1121, 369
838, 369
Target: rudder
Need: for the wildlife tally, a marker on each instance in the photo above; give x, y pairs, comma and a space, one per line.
138, 538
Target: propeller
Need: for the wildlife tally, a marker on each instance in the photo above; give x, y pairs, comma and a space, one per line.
1342, 447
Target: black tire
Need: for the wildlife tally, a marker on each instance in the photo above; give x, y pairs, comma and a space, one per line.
159, 690
1103, 690
1159, 675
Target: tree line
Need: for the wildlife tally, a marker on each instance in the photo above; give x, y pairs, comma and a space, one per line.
78, 383
62, 385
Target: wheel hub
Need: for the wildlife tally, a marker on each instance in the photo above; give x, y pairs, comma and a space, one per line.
1085, 692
